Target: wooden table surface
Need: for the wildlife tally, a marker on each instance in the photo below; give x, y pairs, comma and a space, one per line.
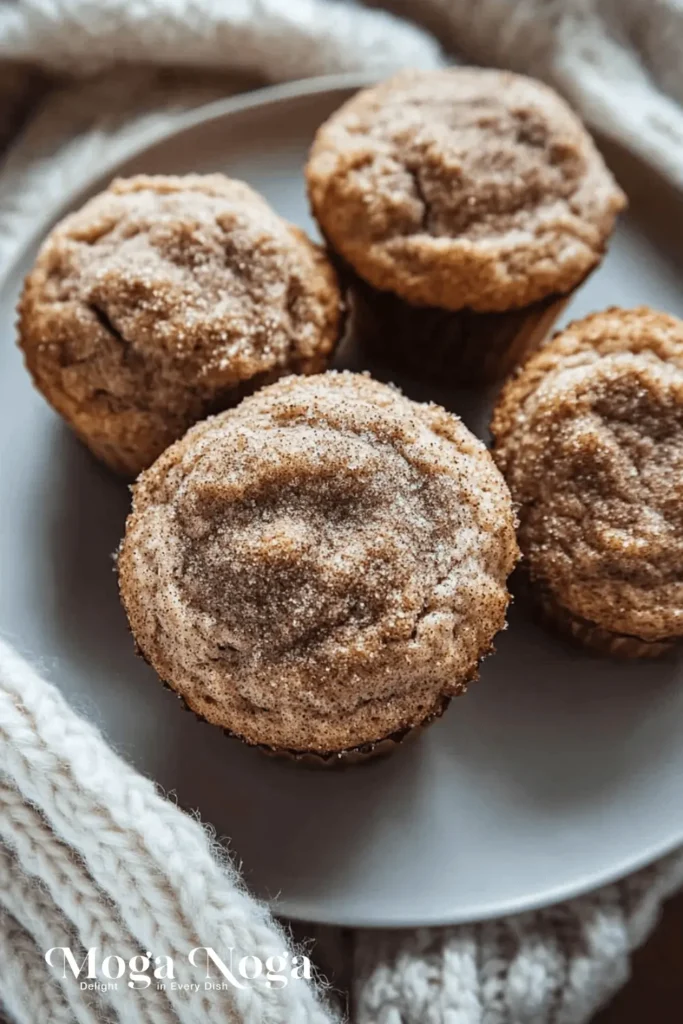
655, 993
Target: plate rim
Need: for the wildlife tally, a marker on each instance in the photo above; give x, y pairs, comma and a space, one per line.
213, 110
217, 110
553, 896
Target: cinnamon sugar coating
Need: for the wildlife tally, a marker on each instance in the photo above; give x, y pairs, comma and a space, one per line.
463, 188
320, 566
589, 437
164, 299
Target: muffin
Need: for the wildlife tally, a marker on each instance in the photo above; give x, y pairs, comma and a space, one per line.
464, 206
589, 437
319, 570
167, 298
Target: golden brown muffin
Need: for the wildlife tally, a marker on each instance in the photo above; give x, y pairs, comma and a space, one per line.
164, 299
321, 568
465, 190
589, 437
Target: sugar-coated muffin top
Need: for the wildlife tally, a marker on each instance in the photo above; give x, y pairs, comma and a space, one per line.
163, 296
318, 567
463, 188
589, 436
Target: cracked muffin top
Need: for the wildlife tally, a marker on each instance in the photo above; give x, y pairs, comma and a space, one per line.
589, 437
318, 567
165, 298
462, 188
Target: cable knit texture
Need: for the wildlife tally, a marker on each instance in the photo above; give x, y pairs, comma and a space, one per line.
128, 870
87, 825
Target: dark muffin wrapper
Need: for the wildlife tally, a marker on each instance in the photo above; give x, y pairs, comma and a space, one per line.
464, 348
358, 755
590, 634
333, 758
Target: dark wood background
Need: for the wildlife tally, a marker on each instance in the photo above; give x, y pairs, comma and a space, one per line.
655, 993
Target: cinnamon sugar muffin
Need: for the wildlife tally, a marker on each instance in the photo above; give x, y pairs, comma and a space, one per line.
589, 437
164, 299
466, 205
320, 569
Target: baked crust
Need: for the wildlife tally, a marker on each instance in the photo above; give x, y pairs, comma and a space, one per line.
164, 299
589, 437
320, 567
463, 188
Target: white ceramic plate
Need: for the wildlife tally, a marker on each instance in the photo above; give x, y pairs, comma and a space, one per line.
558, 772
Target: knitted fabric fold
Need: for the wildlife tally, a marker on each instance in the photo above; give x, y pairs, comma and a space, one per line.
99, 854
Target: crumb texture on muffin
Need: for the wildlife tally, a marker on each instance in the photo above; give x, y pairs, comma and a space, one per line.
164, 299
463, 188
320, 566
589, 437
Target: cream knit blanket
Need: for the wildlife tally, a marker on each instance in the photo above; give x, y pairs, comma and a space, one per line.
90, 854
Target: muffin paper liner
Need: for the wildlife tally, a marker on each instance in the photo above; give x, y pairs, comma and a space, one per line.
334, 758
359, 755
464, 348
589, 634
